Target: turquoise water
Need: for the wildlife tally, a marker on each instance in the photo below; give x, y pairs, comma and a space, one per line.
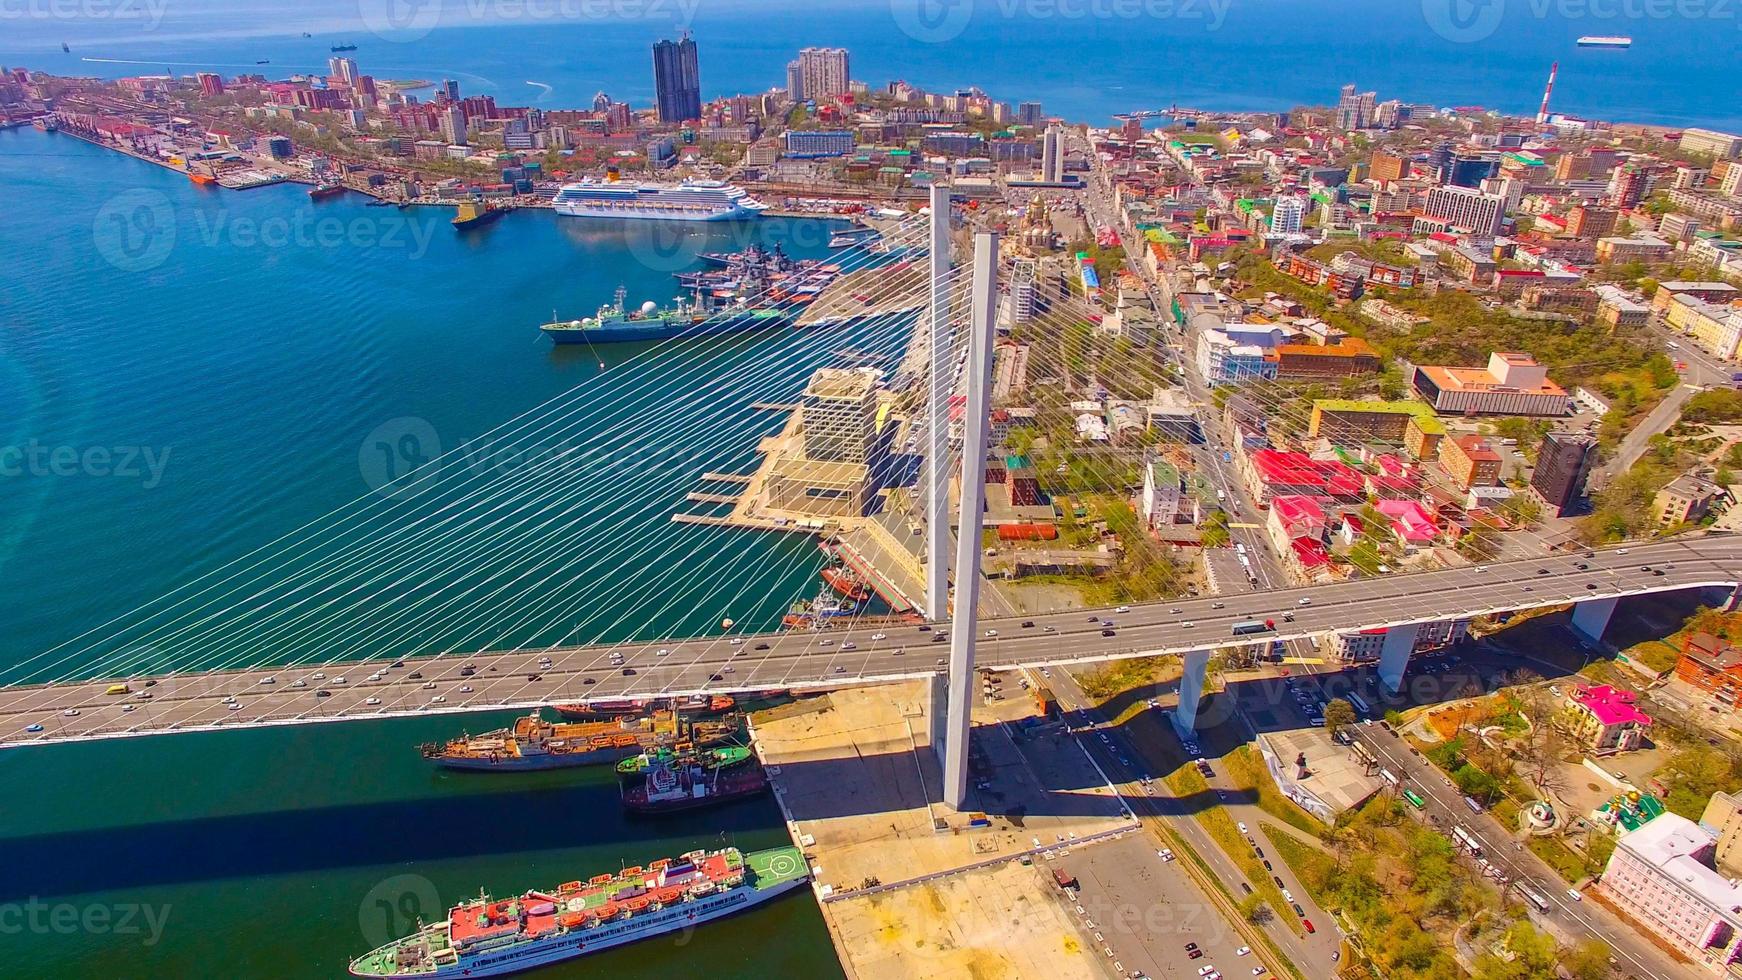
260, 369
1085, 59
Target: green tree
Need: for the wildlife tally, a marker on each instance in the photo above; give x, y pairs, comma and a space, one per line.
1338, 713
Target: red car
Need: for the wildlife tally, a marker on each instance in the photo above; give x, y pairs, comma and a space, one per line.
1309, 925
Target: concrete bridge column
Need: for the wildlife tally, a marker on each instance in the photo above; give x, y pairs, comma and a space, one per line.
976, 425
937, 714
940, 372
1394, 655
1191, 689
1591, 618
1735, 602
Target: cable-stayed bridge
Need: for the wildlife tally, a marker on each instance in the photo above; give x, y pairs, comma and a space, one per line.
461, 588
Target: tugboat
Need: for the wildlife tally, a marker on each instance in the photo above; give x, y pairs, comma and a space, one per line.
678, 785
724, 757
846, 583
533, 743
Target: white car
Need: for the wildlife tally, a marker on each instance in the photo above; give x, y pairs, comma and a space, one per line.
465, 688
235, 706
1287, 896
737, 641
1258, 971
429, 685
439, 699
726, 669
662, 652
268, 680
849, 645
1306, 600
320, 675
991, 632
1122, 609
1188, 624
1204, 971
338, 680
372, 701
1242, 825
879, 636
128, 707
71, 712
299, 682
1242, 951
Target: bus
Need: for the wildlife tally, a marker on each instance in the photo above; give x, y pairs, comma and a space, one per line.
1534, 899
1358, 703
1414, 799
1465, 838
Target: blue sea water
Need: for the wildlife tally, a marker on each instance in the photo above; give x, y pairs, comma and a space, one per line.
1084, 59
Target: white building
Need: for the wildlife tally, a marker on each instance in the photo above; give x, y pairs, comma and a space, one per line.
1161, 493
1288, 214
1364, 645
1222, 360
1052, 155
1663, 875
1467, 208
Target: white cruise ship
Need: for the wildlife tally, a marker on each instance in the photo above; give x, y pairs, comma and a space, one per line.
691, 200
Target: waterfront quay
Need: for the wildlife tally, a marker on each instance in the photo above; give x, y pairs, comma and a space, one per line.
912, 888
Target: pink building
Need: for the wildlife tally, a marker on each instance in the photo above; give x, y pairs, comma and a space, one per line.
1663, 875
1297, 527
1411, 521
1607, 718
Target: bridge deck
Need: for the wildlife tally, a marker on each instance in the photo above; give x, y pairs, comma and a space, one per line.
432, 684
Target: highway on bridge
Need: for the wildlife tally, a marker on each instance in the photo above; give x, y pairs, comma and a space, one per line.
456, 682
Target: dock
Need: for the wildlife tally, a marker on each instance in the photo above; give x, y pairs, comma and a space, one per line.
697, 497
726, 478
900, 288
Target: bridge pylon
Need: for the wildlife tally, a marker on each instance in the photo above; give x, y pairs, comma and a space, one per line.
976, 426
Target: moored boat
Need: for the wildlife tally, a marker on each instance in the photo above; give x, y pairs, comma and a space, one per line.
673, 787
486, 937
532, 743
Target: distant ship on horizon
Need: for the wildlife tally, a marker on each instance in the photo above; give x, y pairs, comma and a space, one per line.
1605, 41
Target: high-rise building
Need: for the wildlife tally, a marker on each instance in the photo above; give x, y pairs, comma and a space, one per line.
601, 102
839, 413
823, 72
343, 69
1732, 182
1562, 463
451, 89
1724, 146
1388, 166
677, 80
1287, 215
454, 125
795, 81
1355, 110
1052, 155
1590, 221
1464, 207
1471, 171
1028, 113
210, 83
1627, 186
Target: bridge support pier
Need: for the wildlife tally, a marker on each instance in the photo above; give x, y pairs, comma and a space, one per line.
1591, 618
1394, 655
1735, 602
1191, 689
937, 714
976, 425
936, 491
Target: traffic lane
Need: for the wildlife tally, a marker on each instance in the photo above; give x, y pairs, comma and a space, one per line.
1417, 595
1518, 863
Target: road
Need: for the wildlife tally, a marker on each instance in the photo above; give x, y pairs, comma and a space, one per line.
809, 659
1128, 761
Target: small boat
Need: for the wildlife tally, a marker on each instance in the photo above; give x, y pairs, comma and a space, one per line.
1605, 41
848, 237
343, 47
324, 190
63, 47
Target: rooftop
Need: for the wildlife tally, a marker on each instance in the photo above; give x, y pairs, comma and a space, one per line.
1425, 419
1677, 847
1611, 706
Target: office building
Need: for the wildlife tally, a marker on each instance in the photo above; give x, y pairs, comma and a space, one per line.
823, 73
1029, 114
1627, 186
211, 83
1511, 384
1664, 875
1685, 499
1052, 155
819, 142
1723, 813
1466, 208
1590, 221
1471, 171
1562, 464
839, 409
451, 89
1388, 166
795, 81
1724, 146
677, 80
1470, 461
453, 122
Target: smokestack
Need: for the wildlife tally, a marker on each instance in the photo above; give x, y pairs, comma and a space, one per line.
1542, 114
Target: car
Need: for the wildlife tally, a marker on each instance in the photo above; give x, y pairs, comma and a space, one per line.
1242, 825
1196, 954
924, 628
1107, 633
1308, 925
727, 669
629, 672
1206, 971
128, 707
761, 646
1277, 879
145, 695
299, 682
1306, 600
71, 713
376, 676
1542, 571
1575, 895
589, 680
468, 671
33, 727
1049, 629
535, 677
1188, 624
237, 705
465, 688
991, 632
1288, 896
1618, 774
1591, 585
439, 699
1267, 866
319, 675
320, 693
1657, 572
416, 675
942, 661
879, 636
1217, 605
662, 652
1094, 619
849, 645
371, 700
1242, 951
1028, 624
429, 685
939, 638
1258, 971
338, 680
1297, 909
1191, 946
268, 680
1126, 609
825, 643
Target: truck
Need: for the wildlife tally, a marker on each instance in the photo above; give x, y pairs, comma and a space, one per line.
1064, 879
1255, 626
